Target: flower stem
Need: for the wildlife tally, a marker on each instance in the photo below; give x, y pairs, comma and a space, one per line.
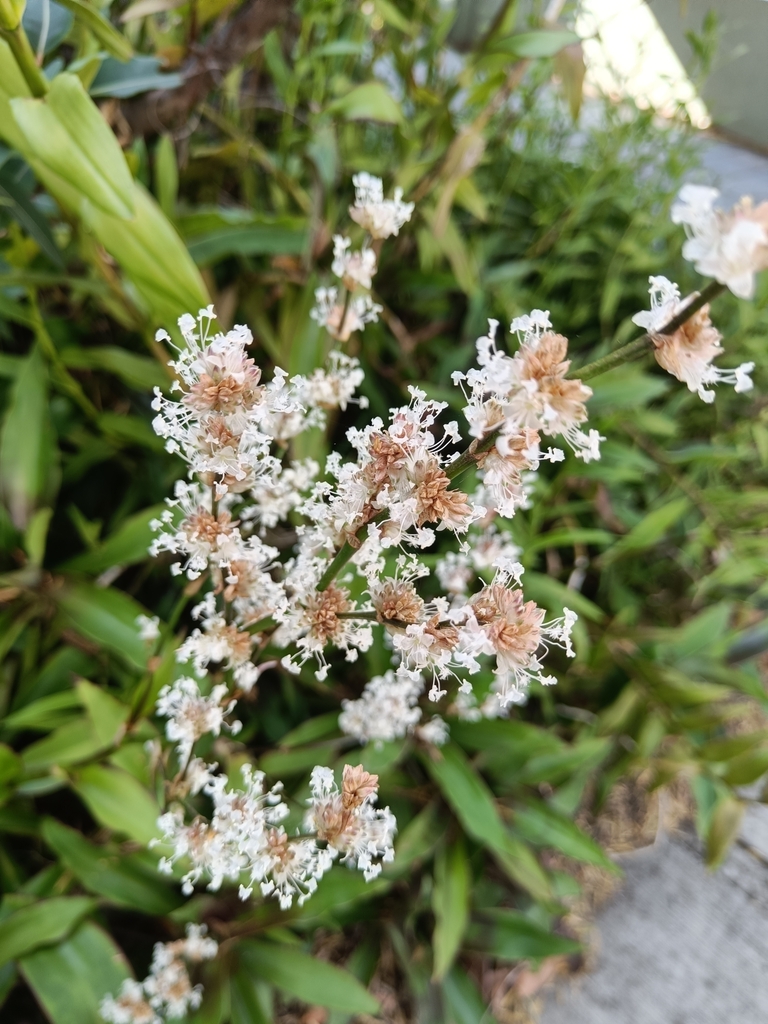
637, 349
25, 57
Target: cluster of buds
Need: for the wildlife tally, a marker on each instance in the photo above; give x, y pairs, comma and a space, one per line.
365, 533
167, 992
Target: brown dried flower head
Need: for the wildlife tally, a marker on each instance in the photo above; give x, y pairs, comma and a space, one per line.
323, 609
397, 600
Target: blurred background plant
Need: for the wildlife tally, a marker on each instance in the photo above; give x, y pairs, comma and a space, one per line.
162, 154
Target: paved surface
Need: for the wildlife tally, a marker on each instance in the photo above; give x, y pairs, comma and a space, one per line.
680, 945
736, 172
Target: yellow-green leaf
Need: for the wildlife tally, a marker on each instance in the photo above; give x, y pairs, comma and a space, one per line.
66, 133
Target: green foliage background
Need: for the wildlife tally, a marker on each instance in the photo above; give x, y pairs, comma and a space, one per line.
518, 207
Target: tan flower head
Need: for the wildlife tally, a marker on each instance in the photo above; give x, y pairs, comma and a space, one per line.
323, 609
397, 600
357, 786
435, 502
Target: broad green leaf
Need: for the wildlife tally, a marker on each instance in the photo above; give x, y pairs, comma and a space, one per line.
724, 826
107, 714
70, 980
140, 372
106, 616
139, 75
117, 800
128, 545
544, 826
56, 21
27, 449
747, 767
301, 975
509, 935
472, 801
368, 102
69, 744
152, 255
66, 133
246, 240
90, 16
542, 43
556, 768
41, 924
125, 879
44, 714
450, 903
551, 593
12, 84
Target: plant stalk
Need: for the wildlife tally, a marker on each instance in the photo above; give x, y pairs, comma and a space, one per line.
25, 57
637, 349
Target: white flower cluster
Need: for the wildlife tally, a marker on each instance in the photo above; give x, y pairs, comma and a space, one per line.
524, 396
246, 842
731, 247
687, 353
351, 561
167, 992
344, 312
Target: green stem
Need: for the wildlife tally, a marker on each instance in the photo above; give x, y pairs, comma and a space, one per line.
25, 57
637, 349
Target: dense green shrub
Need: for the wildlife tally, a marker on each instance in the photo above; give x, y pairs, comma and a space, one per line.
660, 546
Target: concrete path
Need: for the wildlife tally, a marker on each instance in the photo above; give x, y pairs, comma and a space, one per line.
736, 172
680, 945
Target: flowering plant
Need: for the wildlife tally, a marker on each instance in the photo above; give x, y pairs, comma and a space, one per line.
311, 750
359, 529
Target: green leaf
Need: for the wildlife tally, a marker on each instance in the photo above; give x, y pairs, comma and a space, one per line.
117, 800
41, 924
472, 801
247, 240
166, 175
463, 1002
747, 767
251, 999
543, 43
509, 935
44, 714
126, 546
368, 102
724, 826
139, 75
125, 879
26, 444
66, 133
542, 825
70, 980
341, 888
28, 215
300, 975
107, 714
104, 31
138, 372
106, 616
650, 530
450, 903
57, 19
72, 742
